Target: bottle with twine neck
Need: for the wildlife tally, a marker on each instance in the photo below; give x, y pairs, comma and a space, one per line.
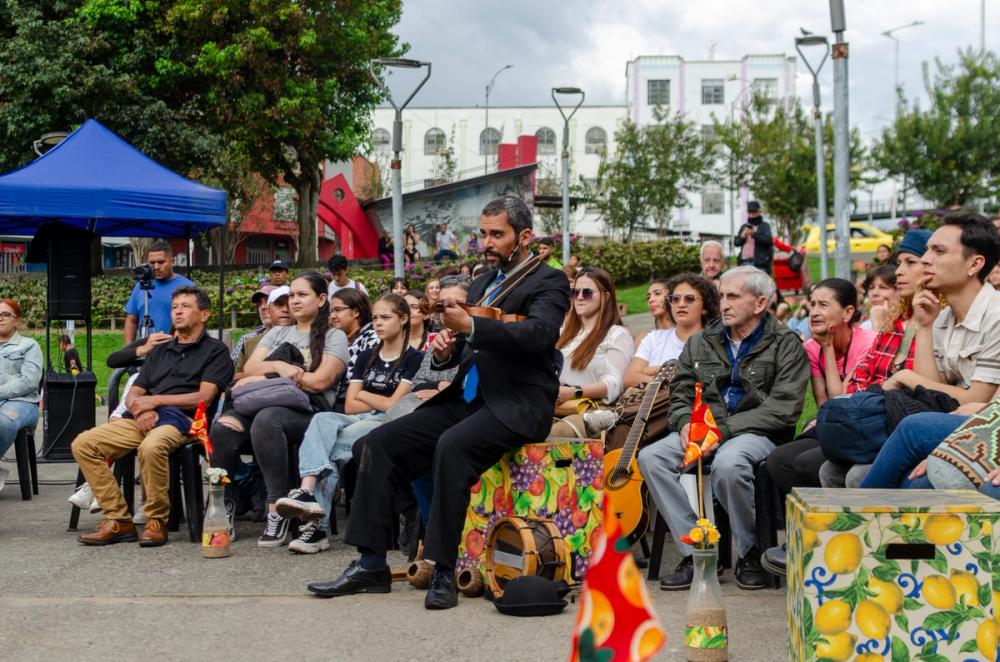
215, 537
705, 635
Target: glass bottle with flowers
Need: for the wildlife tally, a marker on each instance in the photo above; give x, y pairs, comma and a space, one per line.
215, 537
705, 634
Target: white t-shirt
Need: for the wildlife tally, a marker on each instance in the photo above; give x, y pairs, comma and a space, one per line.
332, 288
444, 240
608, 364
660, 346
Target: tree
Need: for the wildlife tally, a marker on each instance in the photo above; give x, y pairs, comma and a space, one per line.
652, 171
548, 182
948, 152
772, 151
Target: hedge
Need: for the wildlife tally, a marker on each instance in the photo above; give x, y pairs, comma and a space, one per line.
628, 264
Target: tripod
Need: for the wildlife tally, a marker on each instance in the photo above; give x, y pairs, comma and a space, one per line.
147, 322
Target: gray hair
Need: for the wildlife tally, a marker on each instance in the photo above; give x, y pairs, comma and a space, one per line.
755, 281
456, 280
518, 213
713, 243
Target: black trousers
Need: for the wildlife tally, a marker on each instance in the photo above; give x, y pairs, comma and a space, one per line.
270, 433
455, 440
795, 464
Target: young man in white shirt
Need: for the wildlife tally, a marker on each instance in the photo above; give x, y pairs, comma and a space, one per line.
338, 269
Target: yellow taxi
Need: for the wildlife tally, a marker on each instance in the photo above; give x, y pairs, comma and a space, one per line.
865, 238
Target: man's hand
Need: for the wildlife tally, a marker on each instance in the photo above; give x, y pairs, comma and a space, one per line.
455, 318
993, 477
152, 341
685, 431
442, 345
565, 393
142, 404
290, 371
426, 393
747, 231
925, 306
146, 421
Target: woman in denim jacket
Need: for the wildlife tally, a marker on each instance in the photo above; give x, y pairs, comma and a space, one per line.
20, 372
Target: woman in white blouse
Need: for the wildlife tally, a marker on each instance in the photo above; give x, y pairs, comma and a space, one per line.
596, 348
692, 302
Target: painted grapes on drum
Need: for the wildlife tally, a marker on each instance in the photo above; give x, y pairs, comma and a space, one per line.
559, 480
893, 575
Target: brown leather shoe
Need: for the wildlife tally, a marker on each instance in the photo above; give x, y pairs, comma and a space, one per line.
154, 534
109, 532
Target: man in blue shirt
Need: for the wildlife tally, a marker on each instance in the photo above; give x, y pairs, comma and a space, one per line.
160, 257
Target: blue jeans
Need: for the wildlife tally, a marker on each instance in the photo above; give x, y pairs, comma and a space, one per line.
908, 445
14, 415
327, 446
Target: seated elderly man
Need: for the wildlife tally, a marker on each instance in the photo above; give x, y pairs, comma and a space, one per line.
753, 373
713, 260
177, 375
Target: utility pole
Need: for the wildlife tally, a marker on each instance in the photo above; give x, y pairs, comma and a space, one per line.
489, 88
572, 91
841, 143
818, 40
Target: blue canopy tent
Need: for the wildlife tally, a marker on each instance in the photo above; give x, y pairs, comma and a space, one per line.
95, 181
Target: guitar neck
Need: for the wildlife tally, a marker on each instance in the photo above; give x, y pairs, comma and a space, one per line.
639, 425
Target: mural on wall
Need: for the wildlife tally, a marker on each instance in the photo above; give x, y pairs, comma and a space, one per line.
458, 207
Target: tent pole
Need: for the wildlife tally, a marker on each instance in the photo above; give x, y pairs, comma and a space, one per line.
222, 279
187, 246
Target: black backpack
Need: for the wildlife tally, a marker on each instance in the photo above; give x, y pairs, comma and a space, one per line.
852, 430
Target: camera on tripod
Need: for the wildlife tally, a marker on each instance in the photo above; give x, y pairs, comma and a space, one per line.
144, 274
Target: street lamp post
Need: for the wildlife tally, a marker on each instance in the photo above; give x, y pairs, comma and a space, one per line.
889, 34
489, 88
841, 142
818, 40
732, 183
397, 147
565, 161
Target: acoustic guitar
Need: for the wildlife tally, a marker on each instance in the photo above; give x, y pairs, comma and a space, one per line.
621, 470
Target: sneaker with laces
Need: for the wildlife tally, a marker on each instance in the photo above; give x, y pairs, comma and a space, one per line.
311, 540
299, 503
275, 532
94, 506
82, 497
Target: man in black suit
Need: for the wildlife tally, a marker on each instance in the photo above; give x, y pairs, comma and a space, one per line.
502, 397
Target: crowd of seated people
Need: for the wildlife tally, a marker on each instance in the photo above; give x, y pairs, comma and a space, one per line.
926, 316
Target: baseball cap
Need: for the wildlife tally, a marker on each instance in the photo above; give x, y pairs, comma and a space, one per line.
278, 265
753, 205
261, 294
277, 293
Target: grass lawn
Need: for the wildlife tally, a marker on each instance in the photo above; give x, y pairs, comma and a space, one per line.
634, 297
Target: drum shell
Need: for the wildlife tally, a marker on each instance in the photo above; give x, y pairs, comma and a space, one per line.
543, 551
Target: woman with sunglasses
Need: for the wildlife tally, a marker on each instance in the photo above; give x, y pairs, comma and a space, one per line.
691, 302
596, 348
658, 306
20, 372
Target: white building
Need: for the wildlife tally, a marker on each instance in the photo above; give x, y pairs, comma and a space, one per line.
698, 89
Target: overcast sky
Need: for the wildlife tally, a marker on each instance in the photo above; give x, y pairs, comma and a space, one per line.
586, 43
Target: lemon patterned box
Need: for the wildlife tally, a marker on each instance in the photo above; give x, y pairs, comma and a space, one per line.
893, 575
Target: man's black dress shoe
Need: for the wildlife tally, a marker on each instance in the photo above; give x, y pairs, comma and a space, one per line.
775, 560
354, 579
442, 593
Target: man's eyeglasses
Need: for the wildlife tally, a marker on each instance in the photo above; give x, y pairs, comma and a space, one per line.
689, 299
7, 315
586, 293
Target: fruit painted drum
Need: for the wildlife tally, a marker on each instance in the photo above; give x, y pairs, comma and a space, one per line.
892, 575
561, 480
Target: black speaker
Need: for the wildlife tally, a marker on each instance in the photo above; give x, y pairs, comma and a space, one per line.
69, 409
66, 252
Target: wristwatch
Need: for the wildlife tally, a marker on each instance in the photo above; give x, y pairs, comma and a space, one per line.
578, 393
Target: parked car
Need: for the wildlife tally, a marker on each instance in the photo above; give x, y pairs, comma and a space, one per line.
865, 238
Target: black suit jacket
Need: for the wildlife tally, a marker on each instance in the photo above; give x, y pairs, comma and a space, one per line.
518, 381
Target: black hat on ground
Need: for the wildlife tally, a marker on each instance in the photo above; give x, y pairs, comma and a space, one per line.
530, 595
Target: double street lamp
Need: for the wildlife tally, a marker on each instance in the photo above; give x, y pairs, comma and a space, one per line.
807, 41
889, 34
397, 147
566, 91
489, 137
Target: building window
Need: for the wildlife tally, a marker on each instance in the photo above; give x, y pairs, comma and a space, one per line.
708, 133
658, 92
381, 140
596, 141
546, 140
712, 202
488, 141
712, 91
766, 87
434, 142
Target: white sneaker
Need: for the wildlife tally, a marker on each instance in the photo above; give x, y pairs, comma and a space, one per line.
140, 516
94, 506
83, 497
599, 420
3, 478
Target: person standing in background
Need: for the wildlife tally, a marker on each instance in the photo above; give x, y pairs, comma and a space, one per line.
755, 240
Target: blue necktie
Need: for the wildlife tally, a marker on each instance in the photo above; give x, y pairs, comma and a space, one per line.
472, 377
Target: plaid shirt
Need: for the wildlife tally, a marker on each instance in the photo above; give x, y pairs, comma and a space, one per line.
877, 366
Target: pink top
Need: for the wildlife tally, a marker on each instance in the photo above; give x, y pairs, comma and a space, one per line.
861, 342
